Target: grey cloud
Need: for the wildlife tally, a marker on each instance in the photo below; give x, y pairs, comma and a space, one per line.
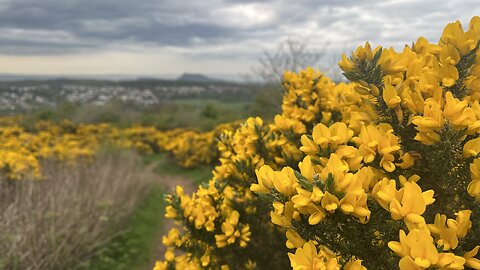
103, 22
99, 24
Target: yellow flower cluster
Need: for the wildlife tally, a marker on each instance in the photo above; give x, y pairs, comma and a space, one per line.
209, 211
22, 150
307, 257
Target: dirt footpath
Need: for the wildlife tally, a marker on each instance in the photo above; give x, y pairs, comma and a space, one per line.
169, 182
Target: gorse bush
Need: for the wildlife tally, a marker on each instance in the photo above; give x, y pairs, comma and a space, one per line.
22, 149
381, 173
224, 223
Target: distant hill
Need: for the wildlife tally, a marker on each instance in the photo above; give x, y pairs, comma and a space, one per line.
185, 78
196, 77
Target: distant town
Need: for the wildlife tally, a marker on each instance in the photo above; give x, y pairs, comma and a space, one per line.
31, 94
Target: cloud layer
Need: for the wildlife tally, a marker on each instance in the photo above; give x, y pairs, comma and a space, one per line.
213, 31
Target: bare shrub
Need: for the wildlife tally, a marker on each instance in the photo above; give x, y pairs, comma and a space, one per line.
291, 54
56, 222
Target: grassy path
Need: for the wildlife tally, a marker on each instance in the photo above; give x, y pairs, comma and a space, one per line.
169, 182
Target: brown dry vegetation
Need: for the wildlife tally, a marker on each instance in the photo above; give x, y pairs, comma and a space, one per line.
57, 222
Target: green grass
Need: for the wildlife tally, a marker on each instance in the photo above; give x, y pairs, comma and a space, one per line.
233, 104
165, 166
134, 249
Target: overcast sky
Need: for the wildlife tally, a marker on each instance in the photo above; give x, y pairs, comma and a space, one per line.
168, 37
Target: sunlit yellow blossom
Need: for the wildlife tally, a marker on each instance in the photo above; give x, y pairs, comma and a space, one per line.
346, 65
285, 181
416, 249
390, 96
355, 203
265, 179
471, 148
410, 200
306, 168
294, 240
309, 147
470, 260
307, 257
384, 192
330, 202
355, 265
